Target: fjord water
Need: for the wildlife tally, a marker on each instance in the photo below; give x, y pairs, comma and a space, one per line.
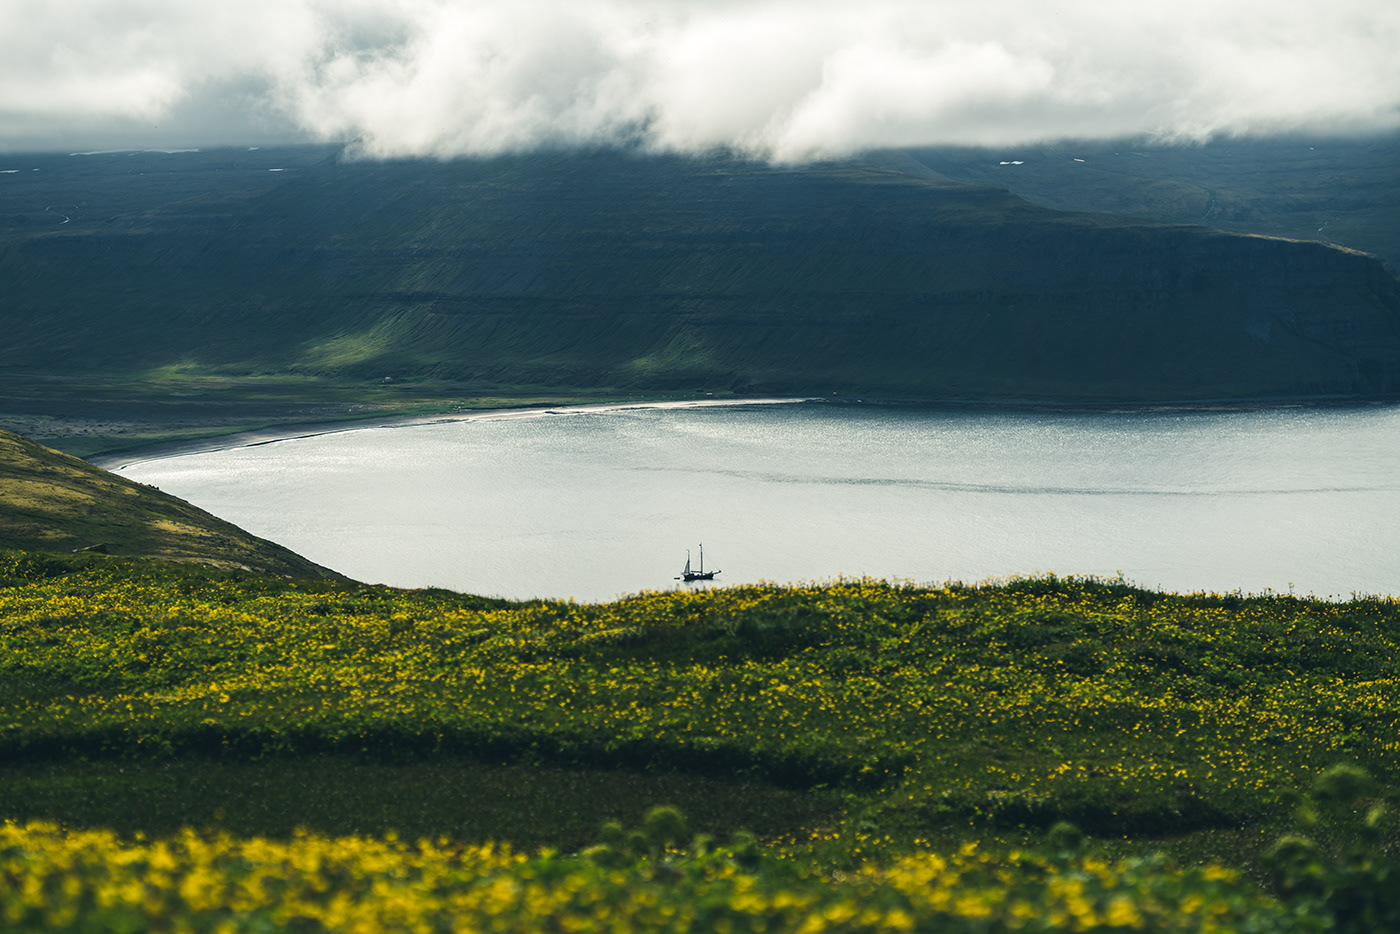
598, 504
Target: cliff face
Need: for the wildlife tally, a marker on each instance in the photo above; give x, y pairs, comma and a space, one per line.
606, 270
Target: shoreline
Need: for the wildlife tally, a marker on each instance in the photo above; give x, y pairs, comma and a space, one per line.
161, 450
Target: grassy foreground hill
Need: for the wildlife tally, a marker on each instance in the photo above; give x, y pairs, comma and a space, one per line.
51, 501
869, 732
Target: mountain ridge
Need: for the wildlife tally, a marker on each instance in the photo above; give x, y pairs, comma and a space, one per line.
607, 270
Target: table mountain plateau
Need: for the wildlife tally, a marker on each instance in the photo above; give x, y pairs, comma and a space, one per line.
649, 272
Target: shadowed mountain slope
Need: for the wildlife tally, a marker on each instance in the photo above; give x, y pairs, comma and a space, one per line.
1344, 191
50, 501
608, 270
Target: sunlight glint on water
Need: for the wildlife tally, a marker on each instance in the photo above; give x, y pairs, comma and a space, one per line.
597, 505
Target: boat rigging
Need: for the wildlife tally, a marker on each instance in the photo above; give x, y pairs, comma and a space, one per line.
689, 575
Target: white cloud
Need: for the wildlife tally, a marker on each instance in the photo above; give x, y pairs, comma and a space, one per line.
775, 78
891, 95
477, 79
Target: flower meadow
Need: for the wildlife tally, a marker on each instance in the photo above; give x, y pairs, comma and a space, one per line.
930, 711
94, 881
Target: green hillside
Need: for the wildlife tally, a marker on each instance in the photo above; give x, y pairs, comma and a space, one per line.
610, 272
50, 501
926, 711
1344, 191
870, 734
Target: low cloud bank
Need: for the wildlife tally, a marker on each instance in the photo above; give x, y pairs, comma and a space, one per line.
771, 78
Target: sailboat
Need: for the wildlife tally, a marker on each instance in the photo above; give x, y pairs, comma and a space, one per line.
701, 575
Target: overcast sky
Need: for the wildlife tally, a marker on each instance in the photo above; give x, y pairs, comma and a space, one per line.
777, 79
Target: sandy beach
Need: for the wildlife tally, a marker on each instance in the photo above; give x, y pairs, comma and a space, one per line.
271, 435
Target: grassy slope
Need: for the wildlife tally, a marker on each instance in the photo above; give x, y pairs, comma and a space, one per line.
52, 501
1342, 191
608, 272
888, 714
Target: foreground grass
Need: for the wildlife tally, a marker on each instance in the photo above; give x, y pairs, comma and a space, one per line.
1126, 711
529, 806
857, 726
214, 882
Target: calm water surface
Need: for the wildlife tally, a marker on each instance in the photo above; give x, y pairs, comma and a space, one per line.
597, 504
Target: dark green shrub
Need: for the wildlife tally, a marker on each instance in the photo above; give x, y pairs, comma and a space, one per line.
1353, 879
